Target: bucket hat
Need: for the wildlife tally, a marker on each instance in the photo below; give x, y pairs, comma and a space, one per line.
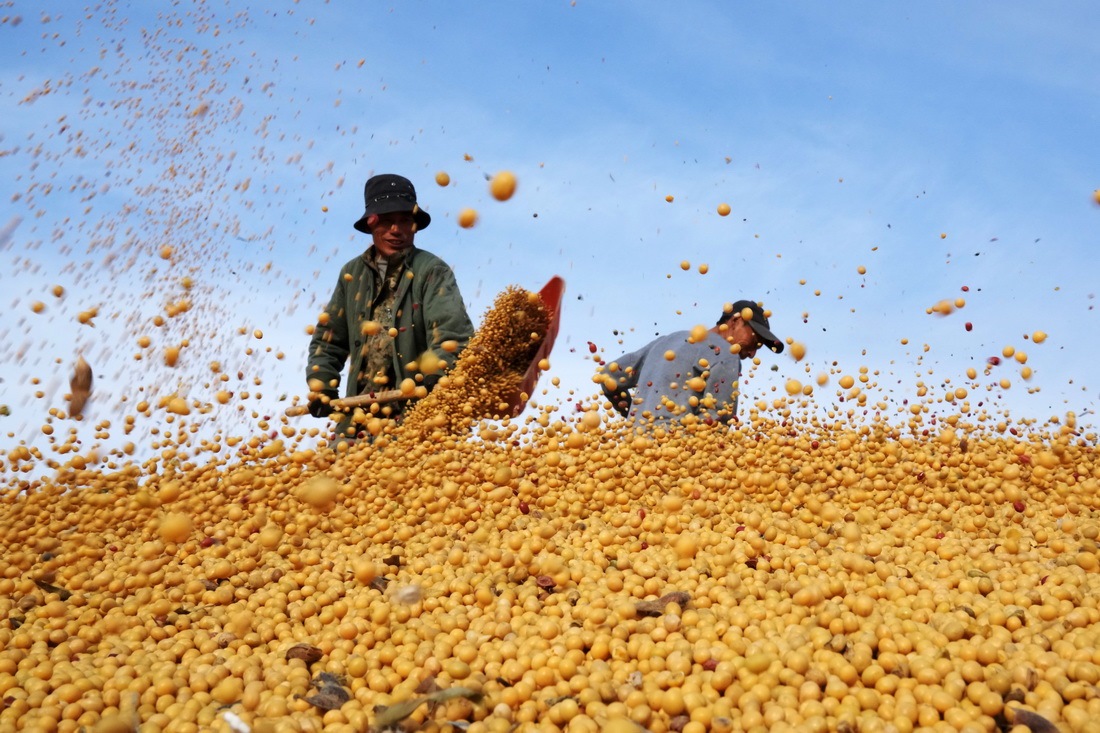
387, 193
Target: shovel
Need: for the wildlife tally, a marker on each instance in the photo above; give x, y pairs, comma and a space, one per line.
550, 295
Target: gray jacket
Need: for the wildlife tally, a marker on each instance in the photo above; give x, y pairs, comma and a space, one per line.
649, 386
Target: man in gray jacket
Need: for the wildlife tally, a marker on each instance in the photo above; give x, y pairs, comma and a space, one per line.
396, 310
689, 373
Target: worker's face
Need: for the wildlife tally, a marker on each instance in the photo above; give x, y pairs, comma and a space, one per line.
738, 331
392, 232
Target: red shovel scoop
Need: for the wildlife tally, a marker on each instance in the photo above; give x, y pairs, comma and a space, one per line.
551, 298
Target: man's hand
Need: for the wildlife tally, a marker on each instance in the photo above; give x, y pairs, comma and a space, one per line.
319, 406
621, 401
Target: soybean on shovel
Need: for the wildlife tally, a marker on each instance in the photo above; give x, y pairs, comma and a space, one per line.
550, 295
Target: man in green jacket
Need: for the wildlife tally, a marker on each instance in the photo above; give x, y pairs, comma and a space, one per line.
396, 310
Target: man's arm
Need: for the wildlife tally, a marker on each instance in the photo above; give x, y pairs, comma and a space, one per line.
329, 347
445, 317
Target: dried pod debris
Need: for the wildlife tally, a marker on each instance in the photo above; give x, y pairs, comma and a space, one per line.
427, 686
331, 693
391, 715
80, 387
306, 652
50, 588
1035, 722
657, 607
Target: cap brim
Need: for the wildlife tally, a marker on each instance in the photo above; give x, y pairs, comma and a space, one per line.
767, 337
422, 218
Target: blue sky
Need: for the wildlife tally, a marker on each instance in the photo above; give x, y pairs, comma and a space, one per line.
841, 135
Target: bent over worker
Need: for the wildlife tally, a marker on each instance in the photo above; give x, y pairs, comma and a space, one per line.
683, 374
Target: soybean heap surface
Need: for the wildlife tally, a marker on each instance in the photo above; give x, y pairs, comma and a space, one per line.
781, 575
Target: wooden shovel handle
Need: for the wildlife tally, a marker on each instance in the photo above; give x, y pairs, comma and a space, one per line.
387, 395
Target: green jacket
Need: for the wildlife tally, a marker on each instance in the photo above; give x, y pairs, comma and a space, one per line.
428, 310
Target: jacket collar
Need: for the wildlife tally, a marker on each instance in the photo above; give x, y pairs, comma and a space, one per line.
405, 257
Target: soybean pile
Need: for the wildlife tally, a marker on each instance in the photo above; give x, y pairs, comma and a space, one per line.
566, 572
